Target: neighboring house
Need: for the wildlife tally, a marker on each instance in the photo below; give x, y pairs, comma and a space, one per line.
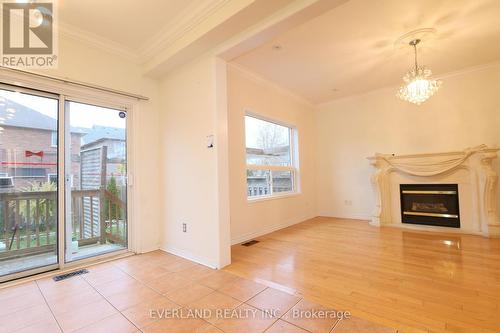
258, 184
269, 156
28, 147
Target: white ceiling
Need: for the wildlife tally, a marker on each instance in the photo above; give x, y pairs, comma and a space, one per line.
130, 23
350, 49
162, 34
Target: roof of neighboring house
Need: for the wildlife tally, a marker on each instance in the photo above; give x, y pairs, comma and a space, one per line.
25, 117
29, 118
103, 132
277, 151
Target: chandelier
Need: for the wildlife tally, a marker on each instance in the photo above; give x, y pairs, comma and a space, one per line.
418, 86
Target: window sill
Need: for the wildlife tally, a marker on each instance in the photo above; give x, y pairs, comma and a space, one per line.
273, 197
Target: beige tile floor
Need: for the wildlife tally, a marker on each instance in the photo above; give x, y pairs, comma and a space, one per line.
134, 295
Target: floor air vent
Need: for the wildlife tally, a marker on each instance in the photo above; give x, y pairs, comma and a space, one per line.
250, 243
68, 275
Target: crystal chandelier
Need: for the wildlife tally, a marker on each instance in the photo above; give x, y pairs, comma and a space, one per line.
418, 85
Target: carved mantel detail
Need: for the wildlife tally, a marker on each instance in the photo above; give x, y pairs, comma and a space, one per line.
479, 176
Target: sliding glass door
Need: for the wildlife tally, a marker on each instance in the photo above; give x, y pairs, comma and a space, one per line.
28, 186
46, 138
96, 180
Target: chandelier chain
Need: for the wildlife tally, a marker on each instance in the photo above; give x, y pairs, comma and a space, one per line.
415, 50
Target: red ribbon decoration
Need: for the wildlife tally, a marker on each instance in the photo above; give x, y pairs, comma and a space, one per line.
28, 153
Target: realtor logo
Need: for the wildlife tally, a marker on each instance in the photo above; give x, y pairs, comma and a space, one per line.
28, 34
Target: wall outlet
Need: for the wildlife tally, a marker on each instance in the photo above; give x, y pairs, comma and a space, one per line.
348, 202
184, 227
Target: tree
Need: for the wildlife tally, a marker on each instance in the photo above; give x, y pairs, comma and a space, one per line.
271, 135
274, 141
111, 209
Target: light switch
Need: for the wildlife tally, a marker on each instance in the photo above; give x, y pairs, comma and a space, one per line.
210, 141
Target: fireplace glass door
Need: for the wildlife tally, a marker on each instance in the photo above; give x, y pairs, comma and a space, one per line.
430, 204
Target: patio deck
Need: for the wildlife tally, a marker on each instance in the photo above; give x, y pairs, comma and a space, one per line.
28, 227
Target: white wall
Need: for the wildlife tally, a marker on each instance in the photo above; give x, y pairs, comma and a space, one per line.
190, 187
195, 180
247, 92
83, 62
464, 113
205, 187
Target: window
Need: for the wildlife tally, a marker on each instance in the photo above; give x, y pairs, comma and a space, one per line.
52, 178
271, 158
30, 172
53, 139
117, 149
6, 182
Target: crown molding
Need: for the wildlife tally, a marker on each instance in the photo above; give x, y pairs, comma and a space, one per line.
184, 22
102, 43
469, 69
446, 75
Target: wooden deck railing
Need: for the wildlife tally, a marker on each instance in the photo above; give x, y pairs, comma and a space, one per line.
28, 220
24, 216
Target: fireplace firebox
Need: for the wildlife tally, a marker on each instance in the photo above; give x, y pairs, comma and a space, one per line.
430, 204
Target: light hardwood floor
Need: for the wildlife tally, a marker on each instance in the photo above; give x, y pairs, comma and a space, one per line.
414, 281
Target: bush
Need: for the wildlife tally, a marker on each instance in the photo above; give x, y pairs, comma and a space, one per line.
110, 207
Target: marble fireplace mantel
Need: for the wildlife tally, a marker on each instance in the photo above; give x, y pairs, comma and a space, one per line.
471, 169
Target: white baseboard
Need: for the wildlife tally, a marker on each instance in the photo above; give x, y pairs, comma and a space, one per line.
266, 230
188, 255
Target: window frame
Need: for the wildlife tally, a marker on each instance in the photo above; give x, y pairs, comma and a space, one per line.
293, 167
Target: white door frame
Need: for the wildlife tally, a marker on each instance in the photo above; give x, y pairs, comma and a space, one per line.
45, 87
67, 180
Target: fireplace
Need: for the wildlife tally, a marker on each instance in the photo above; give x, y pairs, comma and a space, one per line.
430, 204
